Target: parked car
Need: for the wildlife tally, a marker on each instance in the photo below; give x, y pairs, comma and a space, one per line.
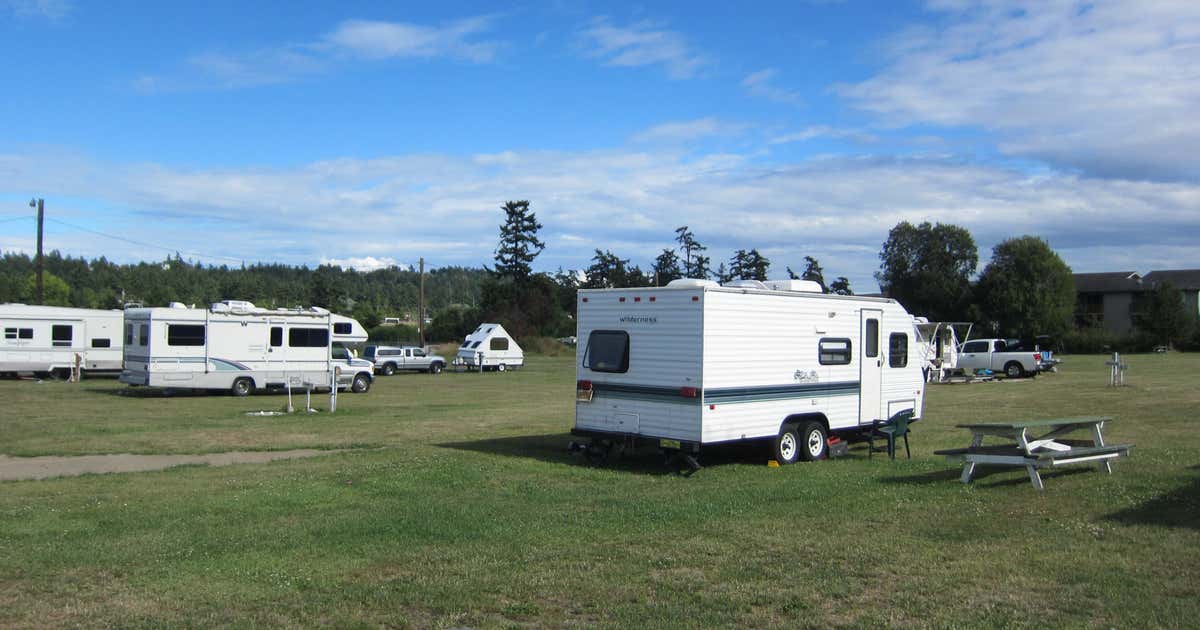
994, 355
390, 359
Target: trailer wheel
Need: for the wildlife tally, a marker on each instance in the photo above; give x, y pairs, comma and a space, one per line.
1012, 369
812, 441
242, 387
501, 367
436, 368
787, 445
389, 369
361, 384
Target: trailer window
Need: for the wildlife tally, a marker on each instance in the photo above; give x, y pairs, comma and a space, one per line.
100, 342
833, 351
144, 334
129, 334
60, 335
342, 328
898, 350
276, 336
607, 351
185, 335
308, 337
871, 338
499, 343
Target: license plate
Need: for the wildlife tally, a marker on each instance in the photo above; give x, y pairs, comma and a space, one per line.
669, 443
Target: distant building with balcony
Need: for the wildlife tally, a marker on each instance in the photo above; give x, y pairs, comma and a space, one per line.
1113, 299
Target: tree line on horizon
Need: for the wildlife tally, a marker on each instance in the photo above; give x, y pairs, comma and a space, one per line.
1025, 289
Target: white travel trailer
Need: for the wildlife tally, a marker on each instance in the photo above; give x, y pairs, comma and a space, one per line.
940, 342
237, 347
50, 339
695, 363
490, 347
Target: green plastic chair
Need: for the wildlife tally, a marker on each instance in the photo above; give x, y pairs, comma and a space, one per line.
895, 427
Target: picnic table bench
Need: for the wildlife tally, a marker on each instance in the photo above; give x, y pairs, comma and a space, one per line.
1035, 446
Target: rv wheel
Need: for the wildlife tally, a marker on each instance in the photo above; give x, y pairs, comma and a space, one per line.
812, 436
787, 445
501, 367
389, 369
361, 384
242, 387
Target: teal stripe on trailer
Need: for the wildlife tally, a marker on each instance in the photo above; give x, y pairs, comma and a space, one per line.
780, 392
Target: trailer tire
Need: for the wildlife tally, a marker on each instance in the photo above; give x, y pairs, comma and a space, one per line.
361, 384
242, 387
389, 369
1012, 369
787, 445
812, 441
436, 368
501, 367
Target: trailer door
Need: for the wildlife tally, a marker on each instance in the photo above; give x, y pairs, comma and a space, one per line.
870, 366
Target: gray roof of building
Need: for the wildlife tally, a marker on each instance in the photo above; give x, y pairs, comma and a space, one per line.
1187, 279
1108, 282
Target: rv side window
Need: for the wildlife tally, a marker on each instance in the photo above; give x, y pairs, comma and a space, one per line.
185, 335
308, 337
60, 335
101, 343
871, 338
10, 333
833, 352
898, 350
143, 334
276, 336
18, 333
607, 351
342, 328
499, 343
129, 334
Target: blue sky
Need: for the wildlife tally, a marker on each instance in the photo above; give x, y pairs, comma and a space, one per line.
368, 134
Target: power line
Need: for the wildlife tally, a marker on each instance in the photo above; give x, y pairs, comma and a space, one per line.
142, 244
16, 218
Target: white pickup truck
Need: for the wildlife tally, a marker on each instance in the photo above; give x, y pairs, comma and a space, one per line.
993, 354
391, 359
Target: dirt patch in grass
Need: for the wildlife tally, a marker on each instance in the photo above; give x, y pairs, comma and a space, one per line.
12, 468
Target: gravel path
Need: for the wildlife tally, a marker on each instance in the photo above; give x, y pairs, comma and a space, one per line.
55, 466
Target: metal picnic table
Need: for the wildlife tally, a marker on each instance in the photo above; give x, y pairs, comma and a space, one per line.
1035, 445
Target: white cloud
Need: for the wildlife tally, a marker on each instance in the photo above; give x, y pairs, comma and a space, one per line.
761, 83
366, 263
1109, 88
351, 39
447, 208
824, 131
49, 9
642, 44
687, 130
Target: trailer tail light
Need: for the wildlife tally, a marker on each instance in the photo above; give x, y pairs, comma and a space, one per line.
585, 300
621, 300
1037, 356
583, 391
695, 298
689, 392
651, 298
637, 299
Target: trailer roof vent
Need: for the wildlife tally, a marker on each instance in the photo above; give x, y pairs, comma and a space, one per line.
806, 286
691, 283
177, 305
746, 284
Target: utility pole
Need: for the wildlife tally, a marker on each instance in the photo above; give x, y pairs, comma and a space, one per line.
421, 304
41, 208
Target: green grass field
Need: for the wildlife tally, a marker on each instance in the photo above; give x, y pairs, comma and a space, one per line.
460, 507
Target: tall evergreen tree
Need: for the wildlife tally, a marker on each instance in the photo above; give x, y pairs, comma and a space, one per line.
519, 243
814, 272
757, 266
694, 265
841, 286
666, 267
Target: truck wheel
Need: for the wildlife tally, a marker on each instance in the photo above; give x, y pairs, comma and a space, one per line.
1012, 369
389, 369
501, 367
812, 441
787, 445
361, 384
242, 387
436, 368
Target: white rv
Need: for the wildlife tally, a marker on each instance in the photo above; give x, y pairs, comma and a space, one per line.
48, 339
237, 347
490, 347
695, 363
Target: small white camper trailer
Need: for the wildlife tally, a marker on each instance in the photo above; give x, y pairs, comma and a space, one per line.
490, 347
237, 347
939, 341
695, 363
48, 339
